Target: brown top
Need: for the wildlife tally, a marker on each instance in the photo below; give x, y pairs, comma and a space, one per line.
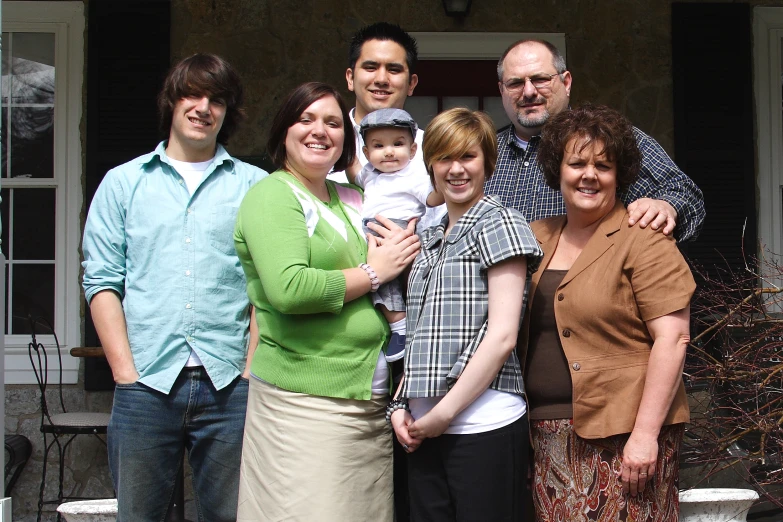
623, 277
547, 378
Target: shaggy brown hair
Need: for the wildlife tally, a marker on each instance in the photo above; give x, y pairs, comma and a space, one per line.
292, 108
203, 75
591, 123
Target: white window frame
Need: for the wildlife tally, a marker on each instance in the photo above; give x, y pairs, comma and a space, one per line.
767, 34
476, 46
66, 21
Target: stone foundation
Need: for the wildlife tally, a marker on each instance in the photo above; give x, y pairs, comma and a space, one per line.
86, 464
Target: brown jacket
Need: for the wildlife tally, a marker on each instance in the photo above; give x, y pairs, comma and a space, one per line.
624, 276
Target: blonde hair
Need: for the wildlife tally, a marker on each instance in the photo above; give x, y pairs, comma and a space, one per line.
453, 132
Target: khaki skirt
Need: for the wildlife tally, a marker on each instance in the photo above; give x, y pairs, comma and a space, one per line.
308, 458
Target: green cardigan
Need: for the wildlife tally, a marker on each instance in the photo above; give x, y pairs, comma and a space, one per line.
293, 249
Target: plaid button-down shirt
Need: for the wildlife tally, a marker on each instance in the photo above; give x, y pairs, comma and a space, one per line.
519, 183
448, 298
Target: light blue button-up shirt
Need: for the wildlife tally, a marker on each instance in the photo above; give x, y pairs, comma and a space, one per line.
170, 256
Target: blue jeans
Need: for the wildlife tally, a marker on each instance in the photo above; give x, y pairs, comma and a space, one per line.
149, 432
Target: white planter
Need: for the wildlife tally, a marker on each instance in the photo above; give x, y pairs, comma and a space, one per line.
103, 510
716, 504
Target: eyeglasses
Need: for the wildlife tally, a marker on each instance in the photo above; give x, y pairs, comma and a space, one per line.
542, 83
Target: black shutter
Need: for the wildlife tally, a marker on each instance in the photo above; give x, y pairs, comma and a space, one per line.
127, 59
713, 126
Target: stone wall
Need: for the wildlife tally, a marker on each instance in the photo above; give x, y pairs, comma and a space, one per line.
619, 51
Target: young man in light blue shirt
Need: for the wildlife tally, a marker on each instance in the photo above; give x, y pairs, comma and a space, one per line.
168, 299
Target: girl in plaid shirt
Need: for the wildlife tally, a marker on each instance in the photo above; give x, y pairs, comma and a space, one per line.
460, 412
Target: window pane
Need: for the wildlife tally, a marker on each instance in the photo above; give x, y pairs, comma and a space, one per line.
32, 294
32, 68
33, 224
493, 106
4, 206
4, 141
6, 67
32, 142
422, 108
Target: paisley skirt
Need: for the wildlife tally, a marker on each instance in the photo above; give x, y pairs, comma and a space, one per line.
575, 479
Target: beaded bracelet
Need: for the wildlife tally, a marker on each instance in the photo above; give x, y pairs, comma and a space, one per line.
374, 281
396, 404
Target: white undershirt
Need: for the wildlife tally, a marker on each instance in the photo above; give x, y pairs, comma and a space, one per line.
192, 173
490, 411
519, 141
380, 379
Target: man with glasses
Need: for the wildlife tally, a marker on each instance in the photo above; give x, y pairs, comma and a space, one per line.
535, 86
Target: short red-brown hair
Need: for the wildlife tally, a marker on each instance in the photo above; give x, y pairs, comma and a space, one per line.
591, 123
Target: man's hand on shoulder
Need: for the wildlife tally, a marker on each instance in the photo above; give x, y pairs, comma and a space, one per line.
657, 213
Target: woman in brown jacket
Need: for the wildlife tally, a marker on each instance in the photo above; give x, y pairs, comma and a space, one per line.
605, 336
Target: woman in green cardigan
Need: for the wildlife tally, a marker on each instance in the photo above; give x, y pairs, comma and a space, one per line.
316, 444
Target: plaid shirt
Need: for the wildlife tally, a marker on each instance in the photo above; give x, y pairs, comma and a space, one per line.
519, 183
448, 297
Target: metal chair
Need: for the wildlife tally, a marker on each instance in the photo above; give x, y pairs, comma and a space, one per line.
59, 429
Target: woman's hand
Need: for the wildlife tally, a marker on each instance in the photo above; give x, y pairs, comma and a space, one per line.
401, 421
670, 335
432, 425
394, 250
638, 464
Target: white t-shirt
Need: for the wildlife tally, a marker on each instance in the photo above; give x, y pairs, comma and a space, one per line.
192, 173
490, 411
520, 142
433, 215
395, 195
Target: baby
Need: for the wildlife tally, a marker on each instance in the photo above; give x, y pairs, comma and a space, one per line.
395, 191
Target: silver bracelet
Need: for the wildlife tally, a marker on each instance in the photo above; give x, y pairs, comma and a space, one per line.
374, 281
396, 404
